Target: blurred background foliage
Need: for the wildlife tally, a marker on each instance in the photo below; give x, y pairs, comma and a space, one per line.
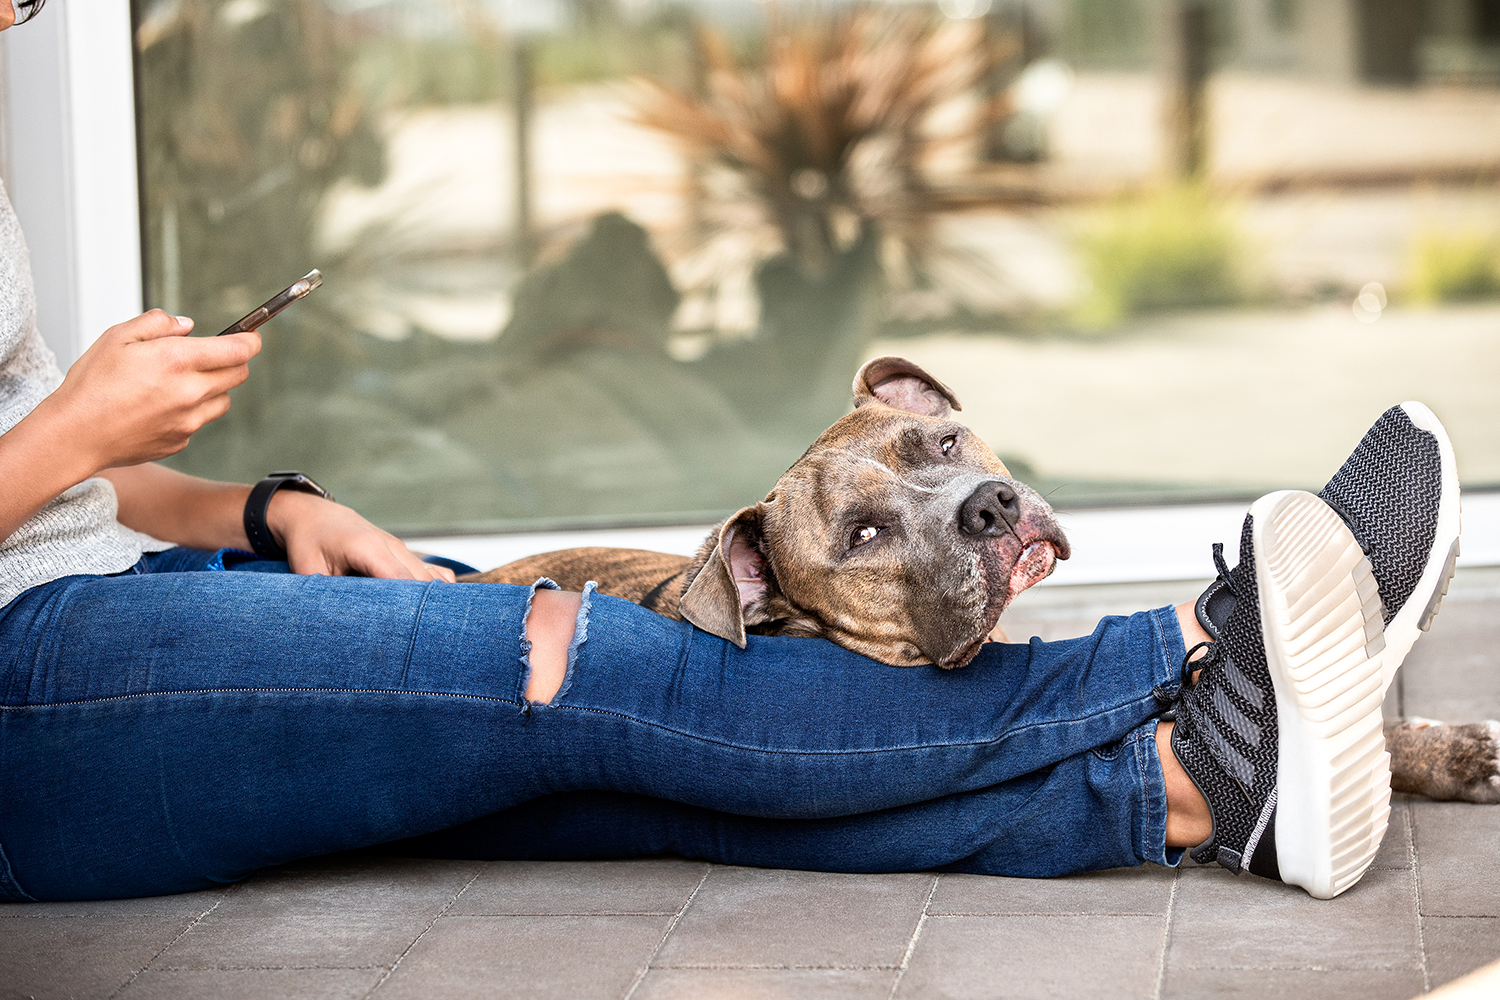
1178, 248
615, 261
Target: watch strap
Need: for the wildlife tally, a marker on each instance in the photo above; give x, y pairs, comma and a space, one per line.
257, 530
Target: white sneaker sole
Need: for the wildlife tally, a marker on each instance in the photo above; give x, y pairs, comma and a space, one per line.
1321, 619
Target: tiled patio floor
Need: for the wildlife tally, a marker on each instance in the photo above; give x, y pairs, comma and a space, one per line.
358, 926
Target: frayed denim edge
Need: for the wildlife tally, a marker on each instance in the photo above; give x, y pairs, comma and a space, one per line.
542, 583
580, 633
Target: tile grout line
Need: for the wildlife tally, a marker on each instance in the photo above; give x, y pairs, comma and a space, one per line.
1166, 937
1416, 893
911, 944
175, 938
640, 975
430, 925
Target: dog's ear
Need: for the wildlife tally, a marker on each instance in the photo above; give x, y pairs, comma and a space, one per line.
899, 383
722, 598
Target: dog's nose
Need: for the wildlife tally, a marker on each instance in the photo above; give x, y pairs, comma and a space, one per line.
992, 509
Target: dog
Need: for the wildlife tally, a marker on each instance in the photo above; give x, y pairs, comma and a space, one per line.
900, 535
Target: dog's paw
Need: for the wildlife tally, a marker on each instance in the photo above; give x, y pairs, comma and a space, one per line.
1458, 762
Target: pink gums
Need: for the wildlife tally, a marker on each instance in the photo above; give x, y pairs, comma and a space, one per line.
1035, 563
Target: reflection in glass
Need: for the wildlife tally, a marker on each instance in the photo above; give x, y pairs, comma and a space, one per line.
604, 261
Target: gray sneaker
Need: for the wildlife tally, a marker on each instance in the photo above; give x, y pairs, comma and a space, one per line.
1282, 732
1398, 493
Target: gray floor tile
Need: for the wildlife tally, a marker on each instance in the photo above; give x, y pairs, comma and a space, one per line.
1222, 921
760, 917
766, 984
79, 958
1457, 946
1143, 890
1395, 849
596, 887
1324, 984
1024, 957
185, 904
1457, 844
252, 984
321, 920
1453, 674
539, 958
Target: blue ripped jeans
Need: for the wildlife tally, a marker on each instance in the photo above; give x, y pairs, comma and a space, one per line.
170, 728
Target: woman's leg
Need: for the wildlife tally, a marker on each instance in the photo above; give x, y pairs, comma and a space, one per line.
162, 732
1029, 826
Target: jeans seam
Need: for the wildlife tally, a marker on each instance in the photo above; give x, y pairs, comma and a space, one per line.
252, 690
1147, 834
954, 745
1169, 658
1156, 805
9, 887
416, 627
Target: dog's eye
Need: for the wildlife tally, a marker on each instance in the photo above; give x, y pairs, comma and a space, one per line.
949, 443
862, 535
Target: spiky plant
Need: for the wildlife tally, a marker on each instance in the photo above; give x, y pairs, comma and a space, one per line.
824, 145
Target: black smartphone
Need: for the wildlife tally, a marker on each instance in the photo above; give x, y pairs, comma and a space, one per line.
291, 293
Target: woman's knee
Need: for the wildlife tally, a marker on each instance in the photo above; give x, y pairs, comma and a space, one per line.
549, 628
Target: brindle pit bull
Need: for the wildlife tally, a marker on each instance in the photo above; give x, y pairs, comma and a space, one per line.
900, 535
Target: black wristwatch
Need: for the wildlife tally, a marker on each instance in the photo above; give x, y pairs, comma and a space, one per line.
256, 529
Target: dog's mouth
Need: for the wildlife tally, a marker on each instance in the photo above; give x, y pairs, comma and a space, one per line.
1034, 564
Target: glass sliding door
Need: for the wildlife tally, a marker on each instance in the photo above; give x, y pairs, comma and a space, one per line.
616, 261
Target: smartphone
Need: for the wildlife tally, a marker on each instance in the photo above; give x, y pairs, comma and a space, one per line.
291, 293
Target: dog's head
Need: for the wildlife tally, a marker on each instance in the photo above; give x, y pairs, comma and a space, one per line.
898, 534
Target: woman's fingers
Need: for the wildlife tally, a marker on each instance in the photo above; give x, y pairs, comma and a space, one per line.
151, 325
218, 353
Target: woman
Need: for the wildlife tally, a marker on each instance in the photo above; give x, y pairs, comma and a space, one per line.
169, 719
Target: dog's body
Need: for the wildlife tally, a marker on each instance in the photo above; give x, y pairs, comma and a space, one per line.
901, 536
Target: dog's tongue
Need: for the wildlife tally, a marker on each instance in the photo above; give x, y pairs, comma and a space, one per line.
1036, 561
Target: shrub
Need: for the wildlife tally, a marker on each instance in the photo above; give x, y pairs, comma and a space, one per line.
1448, 267
1176, 249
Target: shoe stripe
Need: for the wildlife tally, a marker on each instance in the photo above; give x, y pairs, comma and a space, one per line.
1247, 691
1222, 750
1260, 827
1248, 730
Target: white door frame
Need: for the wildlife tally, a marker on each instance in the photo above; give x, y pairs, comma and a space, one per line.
70, 166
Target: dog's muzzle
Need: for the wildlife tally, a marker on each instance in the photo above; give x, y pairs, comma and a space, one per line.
994, 508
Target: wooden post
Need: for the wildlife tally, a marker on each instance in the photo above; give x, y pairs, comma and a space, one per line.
1187, 77
523, 92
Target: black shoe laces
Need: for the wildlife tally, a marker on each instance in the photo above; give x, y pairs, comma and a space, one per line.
1212, 653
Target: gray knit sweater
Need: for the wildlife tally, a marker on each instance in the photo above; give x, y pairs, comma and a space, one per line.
77, 531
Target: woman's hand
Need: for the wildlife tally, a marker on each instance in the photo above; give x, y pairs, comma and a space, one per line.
143, 389
323, 537
137, 394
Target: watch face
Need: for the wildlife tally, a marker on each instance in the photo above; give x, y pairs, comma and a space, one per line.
297, 480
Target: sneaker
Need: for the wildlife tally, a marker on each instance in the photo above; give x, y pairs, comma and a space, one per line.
1282, 731
1398, 494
